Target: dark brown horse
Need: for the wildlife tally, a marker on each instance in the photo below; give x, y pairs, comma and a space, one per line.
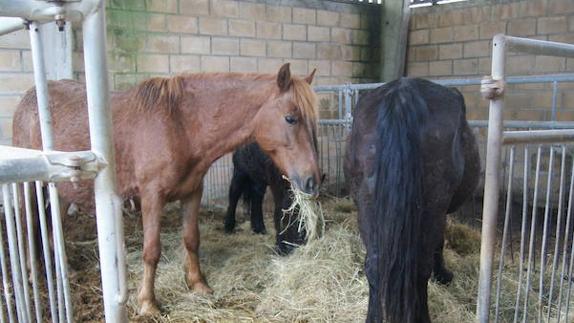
411, 159
168, 131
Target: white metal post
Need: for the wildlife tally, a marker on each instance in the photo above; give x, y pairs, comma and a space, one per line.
491, 182
108, 204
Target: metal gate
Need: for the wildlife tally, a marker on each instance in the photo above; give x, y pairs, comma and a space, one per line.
536, 268
25, 174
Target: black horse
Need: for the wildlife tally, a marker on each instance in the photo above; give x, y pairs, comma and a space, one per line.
411, 159
253, 171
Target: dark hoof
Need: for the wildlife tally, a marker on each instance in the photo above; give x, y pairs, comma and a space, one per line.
444, 277
229, 226
259, 231
284, 249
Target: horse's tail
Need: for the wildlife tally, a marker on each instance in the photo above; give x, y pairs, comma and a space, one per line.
399, 199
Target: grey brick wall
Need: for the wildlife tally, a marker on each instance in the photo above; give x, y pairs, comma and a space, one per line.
455, 41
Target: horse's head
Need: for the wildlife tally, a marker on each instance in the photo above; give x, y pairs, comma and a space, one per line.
286, 129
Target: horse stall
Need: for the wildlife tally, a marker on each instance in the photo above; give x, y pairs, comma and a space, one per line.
525, 247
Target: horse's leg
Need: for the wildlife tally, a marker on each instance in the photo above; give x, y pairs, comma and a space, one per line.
283, 228
257, 195
375, 309
193, 277
152, 211
236, 188
440, 272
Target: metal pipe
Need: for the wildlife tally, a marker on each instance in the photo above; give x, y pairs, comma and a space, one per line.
491, 186
21, 249
10, 24
554, 111
14, 257
30, 223
505, 232
546, 78
46, 250
21, 165
545, 235
565, 246
35, 10
529, 268
523, 226
108, 204
558, 229
60, 250
41, 87
5, 279
537, 47
538, 136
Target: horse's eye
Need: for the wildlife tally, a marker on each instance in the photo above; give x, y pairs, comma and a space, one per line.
291, 119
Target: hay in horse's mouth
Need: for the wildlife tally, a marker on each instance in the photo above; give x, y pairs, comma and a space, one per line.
307, 209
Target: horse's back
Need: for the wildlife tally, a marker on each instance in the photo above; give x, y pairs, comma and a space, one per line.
68, 113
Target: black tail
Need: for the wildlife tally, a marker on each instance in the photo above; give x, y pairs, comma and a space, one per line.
399, 199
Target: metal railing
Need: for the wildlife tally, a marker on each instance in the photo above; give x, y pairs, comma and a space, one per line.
544, 304
25, 170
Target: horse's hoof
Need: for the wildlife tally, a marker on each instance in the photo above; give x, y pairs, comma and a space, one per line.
444, 277
149, 308
229, 227
201, 288
259, 231
283, 249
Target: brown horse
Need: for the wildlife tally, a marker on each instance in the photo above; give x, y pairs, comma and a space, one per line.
168, 131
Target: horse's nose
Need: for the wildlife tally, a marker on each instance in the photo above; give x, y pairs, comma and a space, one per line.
310, 186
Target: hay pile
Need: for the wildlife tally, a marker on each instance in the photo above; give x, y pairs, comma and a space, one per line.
320, 282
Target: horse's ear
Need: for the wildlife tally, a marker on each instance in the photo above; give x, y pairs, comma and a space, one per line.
309, 78
284, 78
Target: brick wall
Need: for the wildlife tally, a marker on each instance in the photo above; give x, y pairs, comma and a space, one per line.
162, 37
454, 41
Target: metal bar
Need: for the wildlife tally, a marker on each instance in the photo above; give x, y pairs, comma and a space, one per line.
30, 223
531, 246
5, 278
41, 86
523, 124
536, 47
558, 229
46, 250
570, 267
566, 239
538, 136
526, 171
554, 99
545, 235
21, 250
491, 188
10, 24
108, 204
546, 78
21, 165
505, 232
14, 257
34, 10
60, 250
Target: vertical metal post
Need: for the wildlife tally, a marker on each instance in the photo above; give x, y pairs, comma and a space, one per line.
41, 86
108, 204
491, 185
554, 100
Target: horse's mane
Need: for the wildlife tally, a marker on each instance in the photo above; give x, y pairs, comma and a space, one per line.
306, 101
159, 92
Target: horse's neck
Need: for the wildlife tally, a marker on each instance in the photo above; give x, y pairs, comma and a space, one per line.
224, 113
